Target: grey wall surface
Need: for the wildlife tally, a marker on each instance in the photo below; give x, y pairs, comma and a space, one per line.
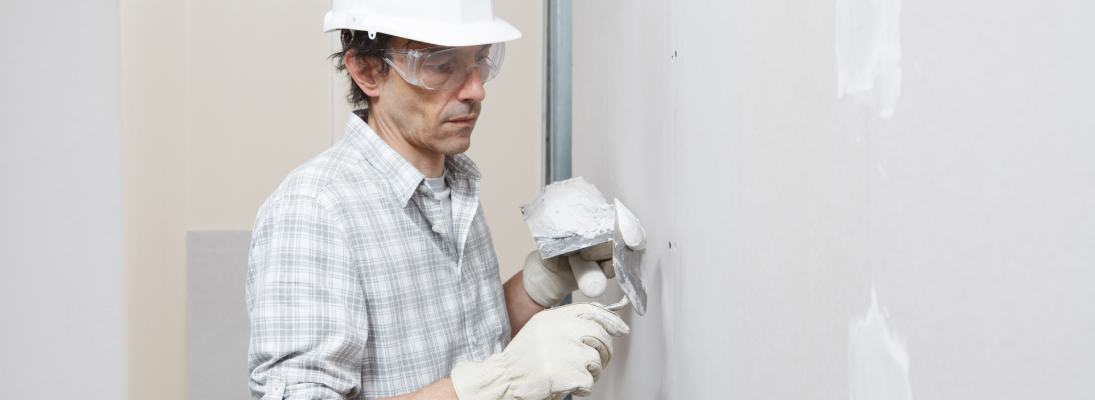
62, 267
773, 207
217, 328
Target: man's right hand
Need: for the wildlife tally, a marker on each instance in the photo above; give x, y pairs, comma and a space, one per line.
560, 351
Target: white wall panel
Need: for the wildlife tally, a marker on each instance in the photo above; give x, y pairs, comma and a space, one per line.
62, 266
969, 210
217, 329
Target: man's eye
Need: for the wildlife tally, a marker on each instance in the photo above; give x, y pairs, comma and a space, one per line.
440, 67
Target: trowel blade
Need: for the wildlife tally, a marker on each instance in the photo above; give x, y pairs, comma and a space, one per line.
628, 265
551, 247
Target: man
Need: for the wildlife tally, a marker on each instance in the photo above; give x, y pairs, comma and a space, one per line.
372, 271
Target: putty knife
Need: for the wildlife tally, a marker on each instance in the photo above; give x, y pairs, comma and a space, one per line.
628, 265
551, 247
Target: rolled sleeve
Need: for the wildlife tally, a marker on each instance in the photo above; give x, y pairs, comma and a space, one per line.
307, 310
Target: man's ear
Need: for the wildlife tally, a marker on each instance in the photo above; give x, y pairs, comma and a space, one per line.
364, 73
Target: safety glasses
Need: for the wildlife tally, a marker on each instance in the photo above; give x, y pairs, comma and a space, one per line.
439, 68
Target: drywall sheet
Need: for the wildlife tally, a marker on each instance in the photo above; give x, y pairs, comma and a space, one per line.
62, 261
847, 199
217, 327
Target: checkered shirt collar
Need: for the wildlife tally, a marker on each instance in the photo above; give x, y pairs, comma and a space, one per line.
403, 177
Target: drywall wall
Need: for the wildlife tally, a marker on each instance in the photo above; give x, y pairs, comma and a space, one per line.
786, 169
62, 267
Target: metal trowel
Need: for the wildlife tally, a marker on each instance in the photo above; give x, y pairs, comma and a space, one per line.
628, 265
590, 278
551, 247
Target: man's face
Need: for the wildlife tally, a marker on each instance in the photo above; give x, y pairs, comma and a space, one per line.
436, 121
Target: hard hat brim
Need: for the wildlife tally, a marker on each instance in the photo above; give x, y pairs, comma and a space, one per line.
468, 34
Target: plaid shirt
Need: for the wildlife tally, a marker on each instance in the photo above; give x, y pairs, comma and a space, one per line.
355, 287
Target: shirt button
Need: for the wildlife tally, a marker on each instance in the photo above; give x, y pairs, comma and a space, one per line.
422, 188
474, 342
437, 228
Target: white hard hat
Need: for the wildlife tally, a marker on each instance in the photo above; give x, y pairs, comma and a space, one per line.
440, 22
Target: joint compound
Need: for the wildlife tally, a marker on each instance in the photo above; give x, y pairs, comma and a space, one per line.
568, 208
868, 52
878, 359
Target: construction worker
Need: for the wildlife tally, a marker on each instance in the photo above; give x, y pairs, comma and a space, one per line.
372, 271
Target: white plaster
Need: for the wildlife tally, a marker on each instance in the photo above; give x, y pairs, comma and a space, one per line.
878, 360
572, 207
868, 52
632, 231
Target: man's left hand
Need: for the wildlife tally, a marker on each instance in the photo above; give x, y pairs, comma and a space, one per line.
548, 281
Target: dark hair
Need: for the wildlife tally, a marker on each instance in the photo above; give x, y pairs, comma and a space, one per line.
363, 51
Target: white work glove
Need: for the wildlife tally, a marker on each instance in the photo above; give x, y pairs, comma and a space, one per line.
559, 351
548, 281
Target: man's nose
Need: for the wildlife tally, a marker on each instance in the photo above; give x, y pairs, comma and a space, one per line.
472, 90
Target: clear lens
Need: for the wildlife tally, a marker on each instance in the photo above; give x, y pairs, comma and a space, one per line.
447, 67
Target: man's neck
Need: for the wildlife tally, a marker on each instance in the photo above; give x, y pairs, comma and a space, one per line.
429, 163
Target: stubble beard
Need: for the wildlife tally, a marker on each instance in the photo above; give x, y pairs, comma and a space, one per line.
458, 141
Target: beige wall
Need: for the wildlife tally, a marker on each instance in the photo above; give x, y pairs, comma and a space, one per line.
506, 142
222, 99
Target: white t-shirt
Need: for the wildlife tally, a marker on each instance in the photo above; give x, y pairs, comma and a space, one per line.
441, 192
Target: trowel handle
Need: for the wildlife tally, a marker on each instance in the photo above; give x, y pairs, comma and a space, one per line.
619, 305
591, 280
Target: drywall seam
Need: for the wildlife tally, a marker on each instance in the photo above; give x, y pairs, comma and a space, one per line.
877, 357
868, 52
